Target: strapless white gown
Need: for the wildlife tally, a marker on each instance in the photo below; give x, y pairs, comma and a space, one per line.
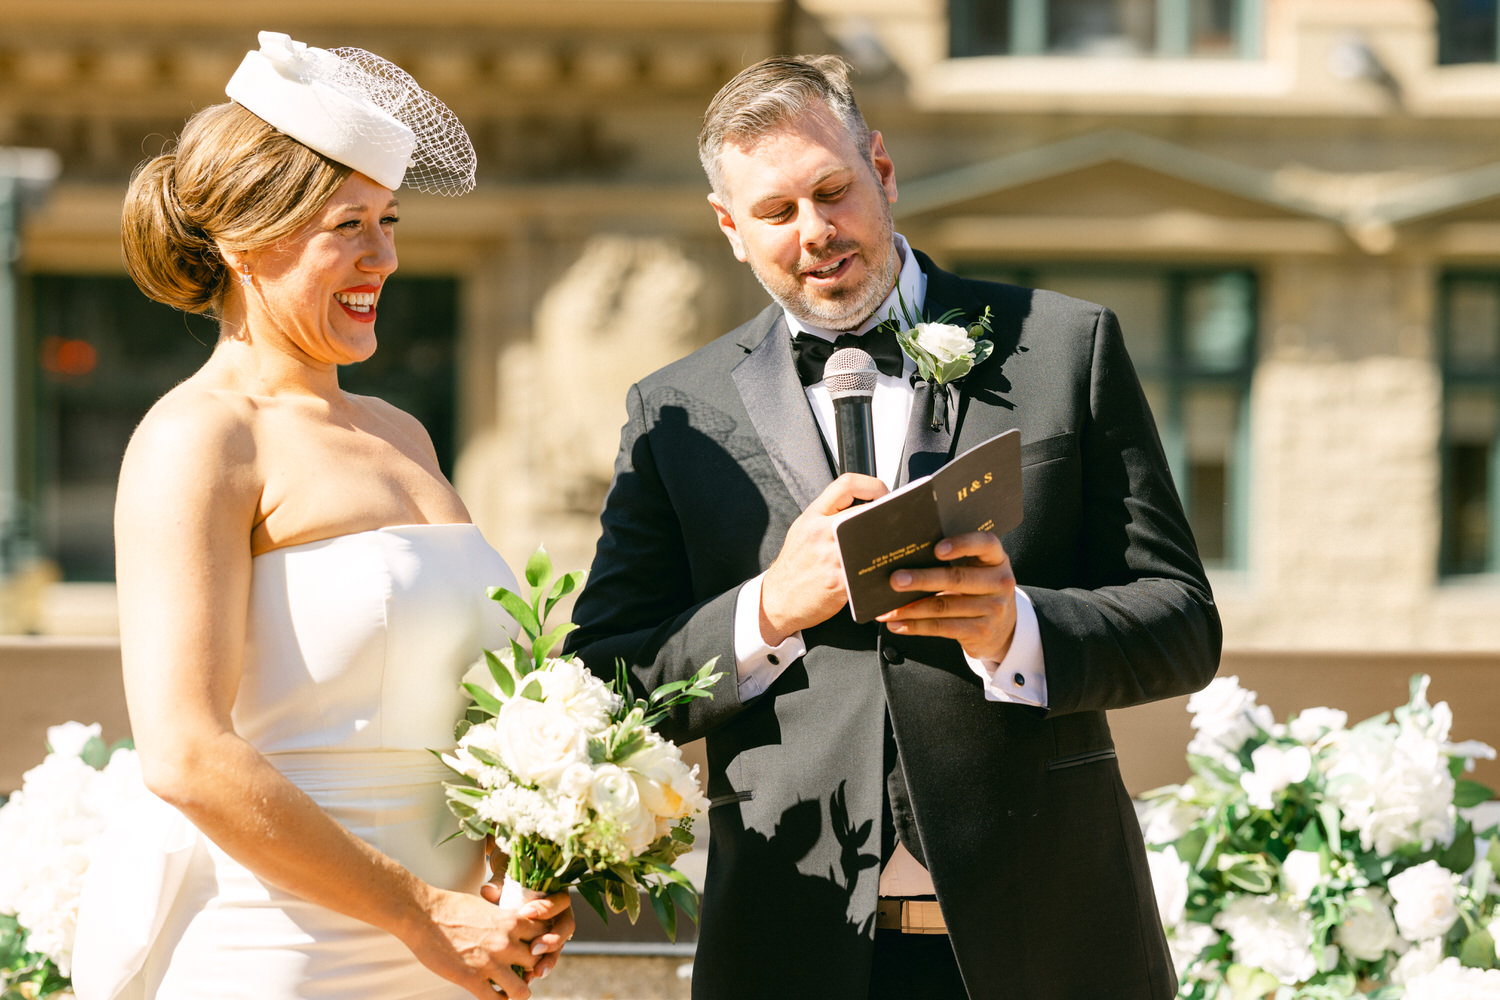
356, 647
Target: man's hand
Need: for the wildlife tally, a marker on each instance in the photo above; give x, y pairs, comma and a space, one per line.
805, 584
975, 601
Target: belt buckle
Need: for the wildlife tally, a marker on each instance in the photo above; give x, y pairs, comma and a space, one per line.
910, 916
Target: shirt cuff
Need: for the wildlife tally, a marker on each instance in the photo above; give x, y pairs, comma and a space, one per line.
758, 665
1020, 678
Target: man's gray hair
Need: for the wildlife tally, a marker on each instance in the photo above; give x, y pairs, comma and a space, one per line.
767, 96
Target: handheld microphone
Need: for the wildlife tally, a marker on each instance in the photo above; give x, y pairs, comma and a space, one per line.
850, 377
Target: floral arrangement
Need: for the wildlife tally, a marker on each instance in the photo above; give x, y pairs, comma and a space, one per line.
566, 774
1314, 860
48, 830
942, 350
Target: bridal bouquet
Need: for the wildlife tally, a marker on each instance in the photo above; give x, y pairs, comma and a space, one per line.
1314, 860
566, 774
48, 830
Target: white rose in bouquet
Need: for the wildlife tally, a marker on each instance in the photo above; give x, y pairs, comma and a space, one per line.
1418, 961
568, 684
1313, 724
616, 797
1452, 981
1301, 873
1368, 930
1273, 768
1225, 715
1271, 934
1426, 901
538, 741
668, 786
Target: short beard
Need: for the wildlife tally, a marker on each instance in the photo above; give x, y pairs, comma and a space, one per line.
846, 314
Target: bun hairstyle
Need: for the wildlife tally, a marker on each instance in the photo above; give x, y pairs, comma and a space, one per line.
232, 181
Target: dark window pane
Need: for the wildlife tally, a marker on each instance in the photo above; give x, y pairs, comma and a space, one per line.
979, 28
1218, 320
1466, 31
1101, 27
1470, 425
104, 353
1473, 318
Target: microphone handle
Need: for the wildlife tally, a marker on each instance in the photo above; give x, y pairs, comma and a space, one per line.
854, 428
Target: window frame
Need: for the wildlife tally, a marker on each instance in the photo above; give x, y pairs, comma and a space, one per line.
1177, 378
1453, 374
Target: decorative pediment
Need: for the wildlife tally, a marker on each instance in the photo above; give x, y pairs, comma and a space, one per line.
1121, 191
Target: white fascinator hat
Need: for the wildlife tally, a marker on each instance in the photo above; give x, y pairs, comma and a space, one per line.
358, 109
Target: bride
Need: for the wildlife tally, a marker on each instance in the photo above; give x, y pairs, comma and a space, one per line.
300, 587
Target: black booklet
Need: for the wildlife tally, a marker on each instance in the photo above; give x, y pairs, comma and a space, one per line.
979, 490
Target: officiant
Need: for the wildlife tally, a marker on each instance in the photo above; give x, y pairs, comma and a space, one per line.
928, 804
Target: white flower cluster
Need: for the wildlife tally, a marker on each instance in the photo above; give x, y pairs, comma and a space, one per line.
48, 831
1316, 852
541, 762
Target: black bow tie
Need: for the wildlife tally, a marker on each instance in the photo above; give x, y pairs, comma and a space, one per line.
811, 353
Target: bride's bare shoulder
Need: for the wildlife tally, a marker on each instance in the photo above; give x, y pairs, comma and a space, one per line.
196, 422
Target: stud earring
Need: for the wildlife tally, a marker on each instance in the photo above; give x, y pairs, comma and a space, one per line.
245, 275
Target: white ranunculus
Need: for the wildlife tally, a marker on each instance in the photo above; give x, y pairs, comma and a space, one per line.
1450, 980
1426, 898
1169, 875
668, 786
1368, 930
1301, 873
616, 797
1271, 934
70, 738
1224, 716
1272, 769
567, 682
538, 741
1311, 724
944, 341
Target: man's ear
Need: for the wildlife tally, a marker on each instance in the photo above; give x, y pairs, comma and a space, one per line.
727, 227
885, 168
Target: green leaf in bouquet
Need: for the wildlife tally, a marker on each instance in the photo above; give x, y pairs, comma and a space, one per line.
483, 698
531, 688
632, 898
1478, 950
521, 658
593, 894
543, 644
1493, 856
1469, 793
518, 609
666, 913
1459, 856
565, 585
504, 679
1250, 872
538, 570
1246, 982
95, 753
684, 896
485, 757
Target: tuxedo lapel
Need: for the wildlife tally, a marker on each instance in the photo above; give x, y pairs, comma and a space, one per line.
773, 396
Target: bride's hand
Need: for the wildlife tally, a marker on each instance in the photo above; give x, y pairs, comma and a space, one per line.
468, 941
556, 911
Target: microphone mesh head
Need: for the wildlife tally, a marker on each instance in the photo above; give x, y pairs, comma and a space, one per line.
850, 372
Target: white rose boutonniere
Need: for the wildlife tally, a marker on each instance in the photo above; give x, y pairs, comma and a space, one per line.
942, 350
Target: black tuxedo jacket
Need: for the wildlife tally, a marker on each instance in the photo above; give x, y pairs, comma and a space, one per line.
1024, 823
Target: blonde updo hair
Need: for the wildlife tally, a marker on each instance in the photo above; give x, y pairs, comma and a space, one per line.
233, 181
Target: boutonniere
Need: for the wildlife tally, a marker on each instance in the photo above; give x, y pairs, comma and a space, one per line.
942, 350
